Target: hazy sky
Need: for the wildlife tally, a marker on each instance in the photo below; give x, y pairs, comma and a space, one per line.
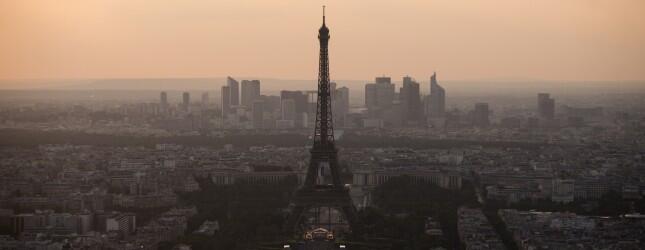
461, 39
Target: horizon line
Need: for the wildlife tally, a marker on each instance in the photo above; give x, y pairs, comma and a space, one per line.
509, 79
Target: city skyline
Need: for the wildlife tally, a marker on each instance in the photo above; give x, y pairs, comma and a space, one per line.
477, 41
406, 161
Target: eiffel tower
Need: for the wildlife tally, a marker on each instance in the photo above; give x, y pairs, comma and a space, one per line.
323, 153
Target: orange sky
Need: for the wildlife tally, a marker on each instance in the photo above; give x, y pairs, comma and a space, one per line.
461, 39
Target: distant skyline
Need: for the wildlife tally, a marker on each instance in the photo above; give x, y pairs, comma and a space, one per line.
574, 40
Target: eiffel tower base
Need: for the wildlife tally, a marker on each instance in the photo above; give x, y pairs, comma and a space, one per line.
308, 198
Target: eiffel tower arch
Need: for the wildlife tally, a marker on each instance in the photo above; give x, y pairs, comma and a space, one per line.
323, 153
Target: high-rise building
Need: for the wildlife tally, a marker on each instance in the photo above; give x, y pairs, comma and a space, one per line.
379, 95
437, 102
370, 95
271, 103
288, 109
205, 99
163, 98
250, 92
300, 103
185, 100
226, 101
480, 115
411, 99
310, 116
342, 95
394, 115
234, 87
546, 106
258, 114
340, 103
299, 97
383, 80
163, 101
384, 92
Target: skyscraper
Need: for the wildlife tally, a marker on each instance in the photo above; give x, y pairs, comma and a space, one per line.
546, 106
437, 102
257, 109
385, 91
163, 101
205, 99
480, 115
288, 109
271, 103
411, 99
234, 87
185, 101
340, 105
250, 92
380, 94
370, 95
226, 101
383, 80
300, 104
299, 97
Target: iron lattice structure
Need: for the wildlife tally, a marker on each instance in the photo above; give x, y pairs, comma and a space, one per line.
323, 152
